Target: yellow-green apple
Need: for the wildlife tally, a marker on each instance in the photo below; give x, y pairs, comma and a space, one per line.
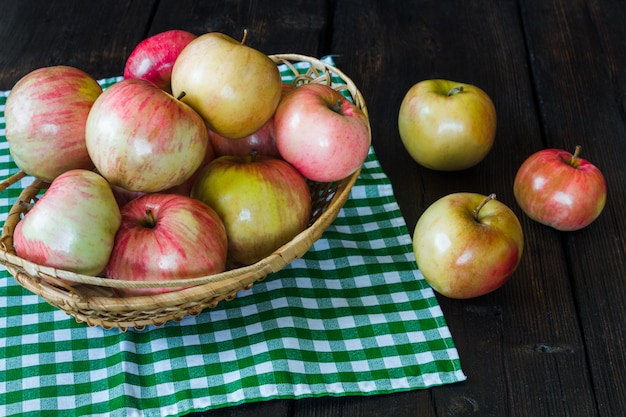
166, 236
234, 87
446, 125
143, 139
72, 227
321, 133
262, 141
263, 201
467, 244
46, 114
561, 190
153, 58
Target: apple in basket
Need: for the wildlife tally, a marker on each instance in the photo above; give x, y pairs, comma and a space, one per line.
153, 58
124, 196
321, 133
72, 226
164, 237
141, 138
235, 88
45, 114
262, 141
446, 125
561, 190
263, 201
467, 244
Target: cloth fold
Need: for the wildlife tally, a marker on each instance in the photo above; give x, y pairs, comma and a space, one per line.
354, 316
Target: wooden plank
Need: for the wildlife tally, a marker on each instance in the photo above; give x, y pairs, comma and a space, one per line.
579, 65
298, 28
97, 43
522, 343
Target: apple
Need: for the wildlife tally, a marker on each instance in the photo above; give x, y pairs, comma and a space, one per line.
153, 58
72, 226
141, 138
264, 203
235, 88
446, 125
45, 114
467, 244
262, 141
166, 236
561, 190
321, 133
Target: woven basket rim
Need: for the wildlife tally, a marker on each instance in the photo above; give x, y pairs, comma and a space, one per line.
200, 292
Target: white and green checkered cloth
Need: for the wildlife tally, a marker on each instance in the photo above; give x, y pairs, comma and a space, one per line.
354, 316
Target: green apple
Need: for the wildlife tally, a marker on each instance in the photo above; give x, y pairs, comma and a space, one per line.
467, 244
446, 125
264, 202
73, 226
235, 88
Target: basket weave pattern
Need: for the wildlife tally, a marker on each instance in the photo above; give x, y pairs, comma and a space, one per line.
93, 300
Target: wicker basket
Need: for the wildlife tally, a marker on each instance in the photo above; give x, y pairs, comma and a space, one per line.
93, 300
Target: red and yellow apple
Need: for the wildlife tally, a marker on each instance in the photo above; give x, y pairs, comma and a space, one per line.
141, 138
467, 244
446, 125
264, 203
153, 58
46, 114
234, 87
165, 237
321, 133
561, 190
72, 226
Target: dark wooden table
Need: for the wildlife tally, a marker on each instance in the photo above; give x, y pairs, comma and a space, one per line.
552, 341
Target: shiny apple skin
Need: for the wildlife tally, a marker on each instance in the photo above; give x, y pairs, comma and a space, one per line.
187, 240
235, 88
46, 114
263, 203
447, 132
143, 139
262, 142
72, 226
461, 257
153, 58
321, 133
556, 193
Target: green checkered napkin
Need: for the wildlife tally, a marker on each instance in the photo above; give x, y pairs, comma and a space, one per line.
354, 316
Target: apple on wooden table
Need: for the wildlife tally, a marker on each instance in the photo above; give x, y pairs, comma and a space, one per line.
234, 87
166, 237
446, 125
46, 113
141, 138
263, 201
560, 189
72, 226
153, 58
467, 244
321, 133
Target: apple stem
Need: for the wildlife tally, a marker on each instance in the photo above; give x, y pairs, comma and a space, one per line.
253, 154
245, 36
490, 197
575, 159
456, 90
150, 223
338, 105
181, 95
